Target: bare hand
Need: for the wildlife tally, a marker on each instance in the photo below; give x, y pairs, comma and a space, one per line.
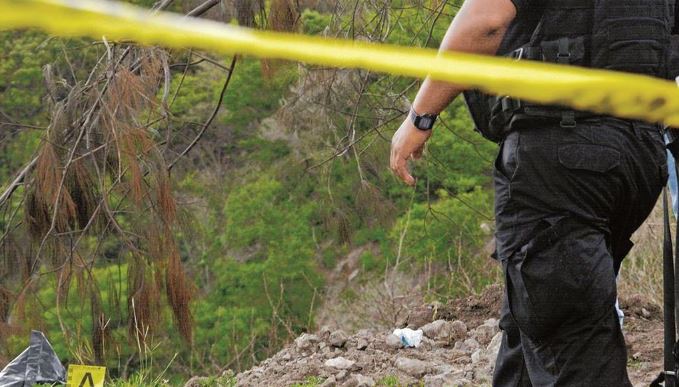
407, 143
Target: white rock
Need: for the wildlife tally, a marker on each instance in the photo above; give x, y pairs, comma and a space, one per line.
358, 380
339, 363
494, 347
412, 367
492, 322
306, 342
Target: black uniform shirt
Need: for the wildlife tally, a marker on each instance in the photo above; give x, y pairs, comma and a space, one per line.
528, 13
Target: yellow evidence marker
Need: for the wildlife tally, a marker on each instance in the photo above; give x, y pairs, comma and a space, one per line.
85, 376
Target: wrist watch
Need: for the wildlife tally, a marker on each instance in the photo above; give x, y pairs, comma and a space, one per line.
424, 121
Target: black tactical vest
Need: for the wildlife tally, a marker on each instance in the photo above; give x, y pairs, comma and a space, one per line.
622, 35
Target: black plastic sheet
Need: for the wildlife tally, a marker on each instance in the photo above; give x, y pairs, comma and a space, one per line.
36, 364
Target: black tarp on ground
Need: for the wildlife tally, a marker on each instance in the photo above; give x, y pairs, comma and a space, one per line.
36, 364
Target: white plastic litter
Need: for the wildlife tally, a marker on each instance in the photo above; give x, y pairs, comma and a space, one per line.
409, 337
621, 314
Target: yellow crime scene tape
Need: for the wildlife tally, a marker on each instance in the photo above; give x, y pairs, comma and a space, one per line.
623, 95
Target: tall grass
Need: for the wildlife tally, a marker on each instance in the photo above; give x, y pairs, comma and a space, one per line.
642, 270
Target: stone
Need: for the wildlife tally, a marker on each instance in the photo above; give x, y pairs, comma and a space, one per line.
469, 374
476, 356
446, 379
461, 347
361, 344
458, 330
413, 367
439, 369
329, 382
484, 333
461, 383
467, 346
393, 341
494, 347
358, 380
338, 338
307, 342
342, 375
445, 331
324, 332
435, 330
428, 344
471, 344
339, 363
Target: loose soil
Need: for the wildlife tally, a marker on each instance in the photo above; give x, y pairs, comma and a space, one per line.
458, 349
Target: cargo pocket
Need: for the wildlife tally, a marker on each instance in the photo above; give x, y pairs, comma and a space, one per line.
588, 157
564, 275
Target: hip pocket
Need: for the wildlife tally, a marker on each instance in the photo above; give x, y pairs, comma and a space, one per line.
507, 160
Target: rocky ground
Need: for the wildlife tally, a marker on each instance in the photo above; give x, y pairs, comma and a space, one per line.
459, 347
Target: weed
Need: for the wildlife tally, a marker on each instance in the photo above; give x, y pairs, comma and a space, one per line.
389, 381
311, 381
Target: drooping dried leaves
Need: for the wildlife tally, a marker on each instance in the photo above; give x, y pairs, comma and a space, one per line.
100, 180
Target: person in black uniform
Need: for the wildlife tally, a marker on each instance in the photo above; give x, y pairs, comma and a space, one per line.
571, 187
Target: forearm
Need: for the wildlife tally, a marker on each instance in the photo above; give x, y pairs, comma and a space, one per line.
474, 30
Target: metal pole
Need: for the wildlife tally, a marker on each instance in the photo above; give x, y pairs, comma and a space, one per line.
668, 296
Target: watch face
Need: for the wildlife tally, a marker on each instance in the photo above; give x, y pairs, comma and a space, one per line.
425, 122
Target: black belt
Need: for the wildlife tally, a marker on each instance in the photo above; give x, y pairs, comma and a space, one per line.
520, 110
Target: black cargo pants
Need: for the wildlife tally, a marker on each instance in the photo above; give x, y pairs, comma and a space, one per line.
567, 202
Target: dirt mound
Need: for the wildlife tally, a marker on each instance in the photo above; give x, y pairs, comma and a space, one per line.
450, 354
460, 343
474, 309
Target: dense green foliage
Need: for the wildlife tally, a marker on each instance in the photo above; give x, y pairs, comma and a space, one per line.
268, 207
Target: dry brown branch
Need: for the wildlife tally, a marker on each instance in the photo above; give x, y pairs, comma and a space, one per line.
208, 122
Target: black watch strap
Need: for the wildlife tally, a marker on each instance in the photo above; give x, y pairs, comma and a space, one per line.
423, 122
